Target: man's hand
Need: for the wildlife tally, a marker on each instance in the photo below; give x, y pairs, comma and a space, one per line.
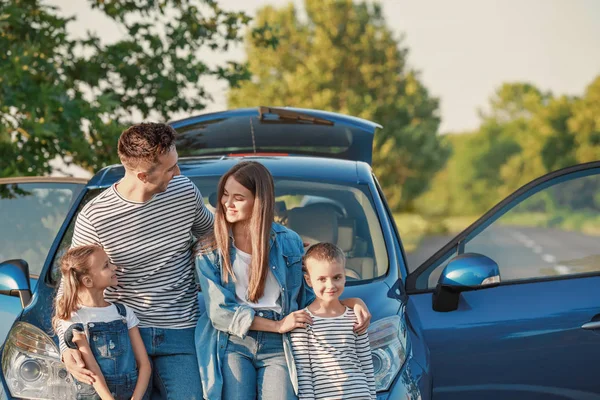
76, 367
363, 317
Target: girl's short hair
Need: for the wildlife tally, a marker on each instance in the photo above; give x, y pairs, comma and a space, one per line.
324, 252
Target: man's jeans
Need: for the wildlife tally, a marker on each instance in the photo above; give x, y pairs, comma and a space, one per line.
175, 373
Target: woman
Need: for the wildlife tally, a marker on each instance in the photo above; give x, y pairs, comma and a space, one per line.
250, 271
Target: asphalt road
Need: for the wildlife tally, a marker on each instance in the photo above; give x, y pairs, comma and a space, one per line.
523, 252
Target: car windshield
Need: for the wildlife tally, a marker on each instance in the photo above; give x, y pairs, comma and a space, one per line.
318, 211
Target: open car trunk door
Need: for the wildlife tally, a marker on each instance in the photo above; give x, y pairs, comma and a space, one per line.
276, 131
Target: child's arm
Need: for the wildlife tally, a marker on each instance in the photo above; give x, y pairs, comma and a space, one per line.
363, 351
143, 363
88, 358
301, 350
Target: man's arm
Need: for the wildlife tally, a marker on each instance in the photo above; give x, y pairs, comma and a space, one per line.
203, 219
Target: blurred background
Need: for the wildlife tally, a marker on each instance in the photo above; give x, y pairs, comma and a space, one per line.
476, 98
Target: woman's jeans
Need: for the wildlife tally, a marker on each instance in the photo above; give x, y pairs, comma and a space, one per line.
255, 367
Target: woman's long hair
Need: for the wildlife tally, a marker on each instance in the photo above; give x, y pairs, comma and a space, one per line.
73, 266
258, 180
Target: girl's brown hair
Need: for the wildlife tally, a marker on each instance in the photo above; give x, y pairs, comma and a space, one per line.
73, 265
258, 180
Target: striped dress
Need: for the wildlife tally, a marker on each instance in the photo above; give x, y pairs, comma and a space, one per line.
150, 243
333, 362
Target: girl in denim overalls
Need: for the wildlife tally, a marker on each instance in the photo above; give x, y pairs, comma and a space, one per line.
250, 272
106, 334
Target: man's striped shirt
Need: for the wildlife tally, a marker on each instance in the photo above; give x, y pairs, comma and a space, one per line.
333, 362
150, 243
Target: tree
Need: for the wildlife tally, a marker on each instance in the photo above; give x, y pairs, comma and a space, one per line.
72, 97
525, 134
342, 57
585, 123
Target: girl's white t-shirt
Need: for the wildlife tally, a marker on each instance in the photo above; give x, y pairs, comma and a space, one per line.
109, 313
270, 299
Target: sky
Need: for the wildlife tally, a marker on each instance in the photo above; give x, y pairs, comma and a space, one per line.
464, 49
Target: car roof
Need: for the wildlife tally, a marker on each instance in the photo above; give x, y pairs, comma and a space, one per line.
309, 168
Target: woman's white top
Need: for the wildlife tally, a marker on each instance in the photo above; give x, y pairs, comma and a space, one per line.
271, 296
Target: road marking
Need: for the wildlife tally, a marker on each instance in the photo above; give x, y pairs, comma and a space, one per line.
562, 270
549, 258
537, 249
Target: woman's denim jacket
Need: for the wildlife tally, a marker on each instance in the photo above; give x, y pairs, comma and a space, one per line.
224, 316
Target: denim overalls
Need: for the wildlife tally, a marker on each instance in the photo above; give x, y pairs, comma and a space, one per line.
111, 347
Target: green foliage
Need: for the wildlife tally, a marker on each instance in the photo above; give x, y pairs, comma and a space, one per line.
72, 97
525, 134
343, 57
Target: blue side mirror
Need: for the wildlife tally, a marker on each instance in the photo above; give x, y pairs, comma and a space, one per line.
14, 280
468, 271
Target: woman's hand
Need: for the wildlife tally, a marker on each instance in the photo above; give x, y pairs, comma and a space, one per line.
297, 319
363, 317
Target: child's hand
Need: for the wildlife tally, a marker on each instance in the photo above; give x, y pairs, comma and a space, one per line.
297, 319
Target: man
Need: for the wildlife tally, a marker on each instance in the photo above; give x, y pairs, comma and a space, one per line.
145, 224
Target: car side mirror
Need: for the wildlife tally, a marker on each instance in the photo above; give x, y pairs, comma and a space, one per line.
14, 280
465, 272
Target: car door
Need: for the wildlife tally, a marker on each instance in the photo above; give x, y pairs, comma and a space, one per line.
32, 210
536, 334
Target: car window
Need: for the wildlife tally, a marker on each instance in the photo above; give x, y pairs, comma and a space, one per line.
327, 212
31, 215
554, 232
317, 211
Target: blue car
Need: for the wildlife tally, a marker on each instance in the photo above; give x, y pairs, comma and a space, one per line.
507, 309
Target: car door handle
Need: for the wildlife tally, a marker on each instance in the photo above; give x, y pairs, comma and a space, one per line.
591, 325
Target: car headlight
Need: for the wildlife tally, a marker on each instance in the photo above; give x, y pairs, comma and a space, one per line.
32, 367
388, 347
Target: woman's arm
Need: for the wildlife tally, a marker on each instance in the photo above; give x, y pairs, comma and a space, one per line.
86, 352
225, 313
143, 363
297, 319
363, 316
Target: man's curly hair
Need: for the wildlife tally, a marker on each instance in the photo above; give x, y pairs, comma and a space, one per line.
144, 143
